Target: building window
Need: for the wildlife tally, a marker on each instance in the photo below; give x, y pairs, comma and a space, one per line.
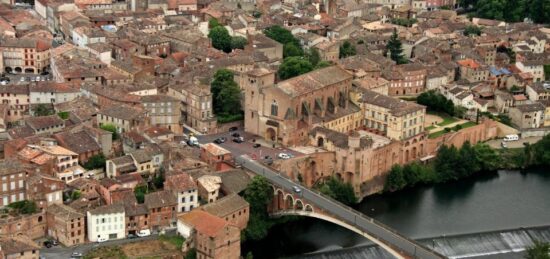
274, 108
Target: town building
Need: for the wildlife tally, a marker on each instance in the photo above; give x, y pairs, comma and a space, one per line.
19, 247
106, 223
161, 206
13, 181
26, 55
211, 236
209, 187
217, 157
66, 225
233, 208
185, 189
527, 116
164, 111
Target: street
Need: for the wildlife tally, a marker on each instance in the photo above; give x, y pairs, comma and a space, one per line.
62, 252
497, 143
344, 213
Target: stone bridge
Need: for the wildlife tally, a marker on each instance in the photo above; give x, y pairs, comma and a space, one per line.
313, 204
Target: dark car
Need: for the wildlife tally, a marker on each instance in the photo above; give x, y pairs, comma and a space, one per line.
268, 160
48, 244
220, 140
257, 145
238, 140
235, 135
132, 236
233, 129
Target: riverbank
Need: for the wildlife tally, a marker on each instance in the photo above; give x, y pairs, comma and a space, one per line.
485, 202
493, 244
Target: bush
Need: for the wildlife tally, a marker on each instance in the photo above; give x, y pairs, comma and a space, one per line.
111, 128
24, 207
140, 192
338, 190
95, 162
226, 118
63, 115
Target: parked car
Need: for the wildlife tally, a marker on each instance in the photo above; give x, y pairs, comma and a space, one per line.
54, 242
268, 160
101, 239
233, 128
144, 233
257, 145
511, 137
238, 140
76, 254
48, 243
503, 144
220, 140
283, 156
131, 236
296, 189
22, 79
236, 135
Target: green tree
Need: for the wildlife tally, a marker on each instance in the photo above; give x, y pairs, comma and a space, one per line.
541, 149
213, 23
486, 157
249, 255
539, 250
140, 192
281, 35
313, 56
191, 254
111, 128
75, 195
323, 64
472, 30
547, 72
43, 110
294, 66
258, 194
346, 50
24, 207
238, 42
339, 190
292, 50
435, 101
158, 181
491, 9
539, 11
223, 86
468, 162
395, 49
396, 180
221, 39
95, 162
446, 163
229, 99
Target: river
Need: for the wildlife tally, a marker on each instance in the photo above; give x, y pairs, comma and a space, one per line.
492, 201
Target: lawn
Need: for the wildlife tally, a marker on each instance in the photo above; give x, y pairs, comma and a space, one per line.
446, 120
468, 124
430, 128
437, 134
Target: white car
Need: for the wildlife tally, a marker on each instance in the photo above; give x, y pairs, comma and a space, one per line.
283, 156
102, 239
22, 79
144, 233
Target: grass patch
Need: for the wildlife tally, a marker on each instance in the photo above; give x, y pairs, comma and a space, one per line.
437, 134
106, 252
174, 240
447, 120
430, 127
468, 124
226, 118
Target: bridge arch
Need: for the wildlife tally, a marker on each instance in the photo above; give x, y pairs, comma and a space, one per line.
289, 201
320, 216
308, 208
299, 205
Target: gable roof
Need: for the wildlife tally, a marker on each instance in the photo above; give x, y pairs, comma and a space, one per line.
314, 80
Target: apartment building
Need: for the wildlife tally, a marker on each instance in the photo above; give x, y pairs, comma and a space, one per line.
196, 100
13, 182
106, 223
164, 111
391, 117
66, 225
186, 190
25, 55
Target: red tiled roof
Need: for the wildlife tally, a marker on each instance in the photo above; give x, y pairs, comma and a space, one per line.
204, 222
468, 63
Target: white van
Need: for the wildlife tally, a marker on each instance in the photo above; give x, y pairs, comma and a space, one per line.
101, 239
144, 233
511, 137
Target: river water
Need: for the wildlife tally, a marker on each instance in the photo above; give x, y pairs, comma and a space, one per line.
492, 201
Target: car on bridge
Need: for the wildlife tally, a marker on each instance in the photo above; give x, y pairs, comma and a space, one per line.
296, 189
283, 156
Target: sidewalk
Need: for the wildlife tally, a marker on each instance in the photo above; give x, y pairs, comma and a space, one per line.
440, 128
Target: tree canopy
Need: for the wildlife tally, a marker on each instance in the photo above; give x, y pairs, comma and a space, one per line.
226, 94
472, 30
43, 110
511, 10
95, 162
258, 194
338, 190
294, 66
238, 42
395, 49
539, 250
221, 39
346, 50
435, 101
281, 35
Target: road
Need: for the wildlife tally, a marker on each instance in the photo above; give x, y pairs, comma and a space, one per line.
62, 252
344, 213
496, 143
